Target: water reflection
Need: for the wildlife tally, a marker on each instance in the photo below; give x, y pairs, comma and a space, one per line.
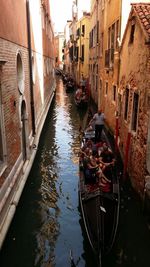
49, 231
60, 230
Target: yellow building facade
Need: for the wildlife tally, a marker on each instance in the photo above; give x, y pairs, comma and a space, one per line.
108, 22
104, 45
109, 61
94, 51
82, 47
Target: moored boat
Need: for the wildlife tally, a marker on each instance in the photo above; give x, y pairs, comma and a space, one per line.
99, 199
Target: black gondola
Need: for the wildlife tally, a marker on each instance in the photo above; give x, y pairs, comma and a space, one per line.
100, 210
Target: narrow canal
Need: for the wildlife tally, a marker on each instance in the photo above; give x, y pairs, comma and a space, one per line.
48, 224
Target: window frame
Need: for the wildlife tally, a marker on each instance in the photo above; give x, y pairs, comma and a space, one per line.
135, 111
126, 103
106, 88
132, 32
114, 92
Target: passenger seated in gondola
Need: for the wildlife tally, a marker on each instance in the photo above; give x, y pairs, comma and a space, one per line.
94, 147
108, 161
107, 155
91, 171
98, 148
90, 166
88, 144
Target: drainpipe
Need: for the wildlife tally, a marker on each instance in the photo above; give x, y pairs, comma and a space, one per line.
30, 68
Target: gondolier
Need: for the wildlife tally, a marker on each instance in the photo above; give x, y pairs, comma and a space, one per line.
98, 120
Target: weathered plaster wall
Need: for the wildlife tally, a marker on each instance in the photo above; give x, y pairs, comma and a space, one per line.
135, 75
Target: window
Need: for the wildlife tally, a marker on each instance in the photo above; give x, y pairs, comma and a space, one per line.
78, 32
93, 75
82, 53
96, 77
117, 34
97, 32
113, 36
91, 41
132, 32
101, 84
126, 103
20, 74
109, 37
135, 112
101, 44
94, 36
119, 104
106, 88
71, 53
76, 53
109, 54
83, 30
114, 93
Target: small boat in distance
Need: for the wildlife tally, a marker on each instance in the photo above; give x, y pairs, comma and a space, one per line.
98, 195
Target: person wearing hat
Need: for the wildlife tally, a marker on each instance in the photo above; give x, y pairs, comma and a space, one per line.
98, 119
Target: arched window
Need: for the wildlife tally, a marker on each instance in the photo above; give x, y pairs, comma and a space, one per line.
20, 74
